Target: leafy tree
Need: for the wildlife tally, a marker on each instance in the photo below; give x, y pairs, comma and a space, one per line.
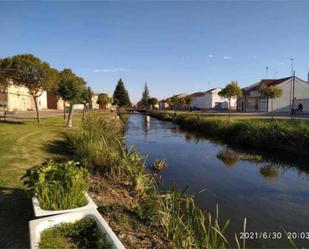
230, 91
5, 72
70, 88
173, 102
152, 102
86, 98
145, 97
188, 100
271, 92
103, 99
121, 96
28, 71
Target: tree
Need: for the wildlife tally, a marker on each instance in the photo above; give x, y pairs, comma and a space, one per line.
103, 99
28, 71
86, 98
271, 92
230, 91
173, 102
70, 88
121, 96
145, 97
152, 102
188, 100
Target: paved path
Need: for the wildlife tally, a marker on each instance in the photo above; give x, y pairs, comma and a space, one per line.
32, 114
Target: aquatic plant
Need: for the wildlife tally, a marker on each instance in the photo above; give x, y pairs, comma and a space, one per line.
159, 165
228, 157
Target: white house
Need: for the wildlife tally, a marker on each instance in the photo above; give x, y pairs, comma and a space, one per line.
210, 100
17, 98
294, 91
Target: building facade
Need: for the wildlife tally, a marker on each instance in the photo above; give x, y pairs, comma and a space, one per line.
17, 98
293, 89
211, 100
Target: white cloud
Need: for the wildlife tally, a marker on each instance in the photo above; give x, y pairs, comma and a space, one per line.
110, 70
227, 57
211, 56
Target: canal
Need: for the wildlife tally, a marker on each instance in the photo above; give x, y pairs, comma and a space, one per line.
272, 194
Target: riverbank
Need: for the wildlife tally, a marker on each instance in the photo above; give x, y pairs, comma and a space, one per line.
291, 136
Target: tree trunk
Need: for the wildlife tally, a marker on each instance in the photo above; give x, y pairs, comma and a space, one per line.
70, 118
36, 108
229, 107
84, 110
272, 109
64, 112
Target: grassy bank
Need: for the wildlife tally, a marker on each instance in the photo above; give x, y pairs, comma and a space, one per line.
281, 135
23, 145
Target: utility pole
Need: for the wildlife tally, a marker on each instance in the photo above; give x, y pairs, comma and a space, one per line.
293, 95
292, 66
267, 72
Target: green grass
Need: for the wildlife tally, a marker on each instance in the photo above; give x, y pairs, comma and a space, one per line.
290, 136
22, 146
81, 234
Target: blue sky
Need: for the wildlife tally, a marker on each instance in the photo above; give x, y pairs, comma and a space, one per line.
174, 46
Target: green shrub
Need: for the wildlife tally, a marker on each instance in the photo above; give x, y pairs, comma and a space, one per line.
281, 135
96, 142
58, 185
81, 234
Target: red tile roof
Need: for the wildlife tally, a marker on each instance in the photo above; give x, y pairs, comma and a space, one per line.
197, 94
267, 82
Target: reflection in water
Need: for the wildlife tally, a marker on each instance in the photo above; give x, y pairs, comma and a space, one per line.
200, 163
228, 157
269, 172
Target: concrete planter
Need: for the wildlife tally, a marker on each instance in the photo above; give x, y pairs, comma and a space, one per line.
39, 212
36, 227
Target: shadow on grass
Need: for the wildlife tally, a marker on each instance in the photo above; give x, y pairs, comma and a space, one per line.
15, 213
60, 149
11, 122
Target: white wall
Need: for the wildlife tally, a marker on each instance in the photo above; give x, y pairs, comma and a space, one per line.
42, 101
282, 104
304, 102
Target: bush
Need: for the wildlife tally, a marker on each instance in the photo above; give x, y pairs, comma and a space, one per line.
58, 185
96, 142
280, 135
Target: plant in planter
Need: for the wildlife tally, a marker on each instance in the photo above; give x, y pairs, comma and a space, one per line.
81, 234
58, 186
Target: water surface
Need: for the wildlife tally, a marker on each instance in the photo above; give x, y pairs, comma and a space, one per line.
272, 194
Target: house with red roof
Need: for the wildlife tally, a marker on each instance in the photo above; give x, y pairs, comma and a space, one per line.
294, 91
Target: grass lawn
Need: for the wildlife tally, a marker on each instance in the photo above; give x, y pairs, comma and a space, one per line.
22, 146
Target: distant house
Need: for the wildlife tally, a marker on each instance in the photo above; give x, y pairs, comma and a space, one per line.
17, 98
210, 100
164, 104
294, 89
53, 102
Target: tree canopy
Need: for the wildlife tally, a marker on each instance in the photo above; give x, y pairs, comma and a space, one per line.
103, 99
152, 102
70, 88
272, 92
121, 96
230, 91
28, 71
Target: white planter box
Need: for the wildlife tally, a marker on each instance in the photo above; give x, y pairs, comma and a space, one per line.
39, 212
37, 226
